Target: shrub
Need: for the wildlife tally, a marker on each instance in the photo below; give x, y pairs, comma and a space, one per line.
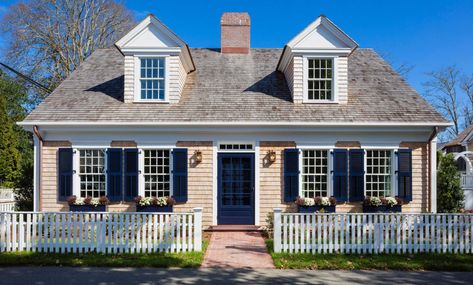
449, 192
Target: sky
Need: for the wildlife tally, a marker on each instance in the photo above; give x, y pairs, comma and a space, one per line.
427, 35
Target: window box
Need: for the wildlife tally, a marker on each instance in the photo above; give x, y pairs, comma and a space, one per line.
87, 208
316, 208
154, 209
382, 209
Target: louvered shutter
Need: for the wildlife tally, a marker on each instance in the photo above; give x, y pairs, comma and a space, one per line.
179, 174
114, 174
340, 174
131, 173
291, 174
357, 172
65, 172
404, 163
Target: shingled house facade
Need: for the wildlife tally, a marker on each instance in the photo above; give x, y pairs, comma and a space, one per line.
236, 130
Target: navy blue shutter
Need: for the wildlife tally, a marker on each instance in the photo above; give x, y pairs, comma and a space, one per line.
404, 163
357, 172
179, 174
114, 174
131, 174
65, 171
291, 174
340, 174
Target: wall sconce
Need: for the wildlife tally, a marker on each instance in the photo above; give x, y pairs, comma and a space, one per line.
198, 156
271, 156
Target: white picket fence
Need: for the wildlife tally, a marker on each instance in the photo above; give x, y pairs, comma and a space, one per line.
7, 206
62, 232
372, 233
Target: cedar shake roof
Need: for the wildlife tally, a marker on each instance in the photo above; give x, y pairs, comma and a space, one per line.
234, 87
461, 137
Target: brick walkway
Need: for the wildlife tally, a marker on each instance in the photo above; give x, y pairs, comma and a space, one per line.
237, 250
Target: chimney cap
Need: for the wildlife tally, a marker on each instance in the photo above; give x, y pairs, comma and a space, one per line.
235, 19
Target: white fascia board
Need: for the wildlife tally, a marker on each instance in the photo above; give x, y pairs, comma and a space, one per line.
151, 51
322, 51
238, 123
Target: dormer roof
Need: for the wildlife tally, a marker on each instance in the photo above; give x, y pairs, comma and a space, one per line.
151, 36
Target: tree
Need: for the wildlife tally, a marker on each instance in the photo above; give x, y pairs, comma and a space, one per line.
466, 86
450, 195
48, 39
442, 90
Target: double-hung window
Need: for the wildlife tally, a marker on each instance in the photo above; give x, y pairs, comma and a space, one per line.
92, 173
320, 79
379, 173
152, 81
315, 173
157, 173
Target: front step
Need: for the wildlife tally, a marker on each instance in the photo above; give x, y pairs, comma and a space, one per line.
234, 228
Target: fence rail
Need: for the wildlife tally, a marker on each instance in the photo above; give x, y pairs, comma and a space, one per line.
7, 206
101, 232
372, 233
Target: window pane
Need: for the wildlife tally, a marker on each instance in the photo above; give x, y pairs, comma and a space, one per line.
157, 173
320, 75
91, 172
379, 173
152, 78
314, 173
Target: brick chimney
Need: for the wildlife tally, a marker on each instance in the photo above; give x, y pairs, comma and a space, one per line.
235, 33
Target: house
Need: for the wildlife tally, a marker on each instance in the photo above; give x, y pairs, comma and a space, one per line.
235, 130
462, 147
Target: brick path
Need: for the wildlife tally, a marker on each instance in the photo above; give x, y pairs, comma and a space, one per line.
237, 250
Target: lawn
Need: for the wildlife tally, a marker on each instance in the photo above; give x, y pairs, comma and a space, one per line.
185, 259
425, 261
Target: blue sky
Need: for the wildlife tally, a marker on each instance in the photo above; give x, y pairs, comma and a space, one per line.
426, 34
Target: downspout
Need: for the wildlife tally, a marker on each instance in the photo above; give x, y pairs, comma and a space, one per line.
39, 164
433, 169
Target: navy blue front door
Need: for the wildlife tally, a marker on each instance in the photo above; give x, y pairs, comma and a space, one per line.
236, 180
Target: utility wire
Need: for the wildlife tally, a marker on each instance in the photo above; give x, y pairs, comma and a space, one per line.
35, 83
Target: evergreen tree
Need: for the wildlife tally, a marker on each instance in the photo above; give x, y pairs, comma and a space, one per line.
450, 195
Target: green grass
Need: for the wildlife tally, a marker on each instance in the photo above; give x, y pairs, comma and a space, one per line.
424, 261
185, 259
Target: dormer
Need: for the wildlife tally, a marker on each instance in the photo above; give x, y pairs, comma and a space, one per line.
315, 63
157, 62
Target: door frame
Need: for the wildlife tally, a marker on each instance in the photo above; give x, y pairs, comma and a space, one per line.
253, 204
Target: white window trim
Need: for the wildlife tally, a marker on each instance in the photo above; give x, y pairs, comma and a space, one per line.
329, 167
394, 171
305, 76
137, 72
76, 168
253, 143
141, 168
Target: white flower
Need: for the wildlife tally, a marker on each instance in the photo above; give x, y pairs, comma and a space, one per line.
325, 201
79, 201
309, 202
162, 201
391, 201
146, 201
95, 202
375, 201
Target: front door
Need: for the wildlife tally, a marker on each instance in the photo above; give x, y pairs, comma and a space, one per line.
236, 201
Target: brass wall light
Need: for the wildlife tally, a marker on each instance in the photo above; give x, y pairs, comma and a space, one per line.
272, 156
198, 156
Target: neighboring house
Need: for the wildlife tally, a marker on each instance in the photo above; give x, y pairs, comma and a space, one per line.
236, 130
462, 147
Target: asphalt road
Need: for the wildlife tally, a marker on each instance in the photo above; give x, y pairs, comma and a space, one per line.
148, 276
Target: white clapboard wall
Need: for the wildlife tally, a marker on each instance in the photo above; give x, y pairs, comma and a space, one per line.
62, 232
372, 233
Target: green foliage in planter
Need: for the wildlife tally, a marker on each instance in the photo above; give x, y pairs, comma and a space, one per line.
449, 192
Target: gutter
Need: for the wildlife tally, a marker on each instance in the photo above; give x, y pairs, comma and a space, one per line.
433, 170
37, 163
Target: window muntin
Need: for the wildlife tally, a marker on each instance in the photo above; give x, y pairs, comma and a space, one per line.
152, 78
379, 173
92, 173
157, 173
314, 173
236, 146
319, 79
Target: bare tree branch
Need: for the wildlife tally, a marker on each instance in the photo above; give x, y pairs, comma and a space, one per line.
48, 39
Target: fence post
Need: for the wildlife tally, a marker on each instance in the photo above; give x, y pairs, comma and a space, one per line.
277, 229
197, 229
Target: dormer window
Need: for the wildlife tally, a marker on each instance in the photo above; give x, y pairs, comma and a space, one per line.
320, 79
152, 80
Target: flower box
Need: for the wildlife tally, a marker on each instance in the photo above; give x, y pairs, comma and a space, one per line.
154, 209
382, 209
316, 208
87, 208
